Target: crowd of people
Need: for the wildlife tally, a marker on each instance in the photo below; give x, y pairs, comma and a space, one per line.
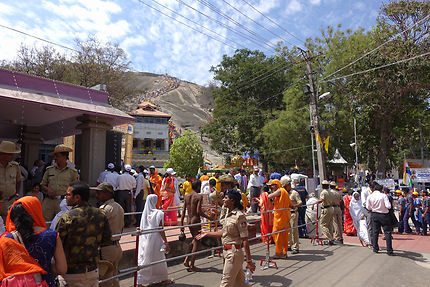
172, 83
52, 236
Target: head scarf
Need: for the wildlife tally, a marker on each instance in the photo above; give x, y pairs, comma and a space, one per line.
355, 207
151, 216
275, 181
33, 207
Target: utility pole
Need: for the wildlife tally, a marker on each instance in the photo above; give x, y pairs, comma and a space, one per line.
420, 125
315, 119
356, 151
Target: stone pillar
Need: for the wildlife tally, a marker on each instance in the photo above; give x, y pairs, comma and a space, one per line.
93, 147
166, 144
70, 142
31, 145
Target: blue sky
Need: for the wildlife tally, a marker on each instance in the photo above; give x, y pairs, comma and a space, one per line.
156, 43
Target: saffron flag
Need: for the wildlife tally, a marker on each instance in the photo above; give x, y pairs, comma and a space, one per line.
407, 174
326, 142
319, 138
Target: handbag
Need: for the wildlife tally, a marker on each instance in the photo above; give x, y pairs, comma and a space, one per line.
23, 280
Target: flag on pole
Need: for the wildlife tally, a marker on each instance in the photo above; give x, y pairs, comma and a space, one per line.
295, 164
326, 142
319, 138
407, 174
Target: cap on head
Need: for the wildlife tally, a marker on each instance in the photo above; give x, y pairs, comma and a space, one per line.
104, 186
9, 147
152, 167
256, 169
333, 184
111, 166
127, 167
170, 171
61, 148
145, 171
325, 182
415, 193
285, 181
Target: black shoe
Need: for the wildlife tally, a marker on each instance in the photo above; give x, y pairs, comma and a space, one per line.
391, 254
375, 251
289, 248
294, 251
327, 242
339, 241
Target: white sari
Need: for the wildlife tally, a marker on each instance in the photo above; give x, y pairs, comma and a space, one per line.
356, 211
150, 245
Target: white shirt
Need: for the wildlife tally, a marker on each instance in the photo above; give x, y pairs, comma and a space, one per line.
254, 180
112, 178
378, 202
365, 194
126, 182
102, 175
142, 185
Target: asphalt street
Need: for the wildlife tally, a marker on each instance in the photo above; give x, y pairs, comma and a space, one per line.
340, 265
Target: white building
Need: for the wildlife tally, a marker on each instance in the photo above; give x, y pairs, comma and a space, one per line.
151, 136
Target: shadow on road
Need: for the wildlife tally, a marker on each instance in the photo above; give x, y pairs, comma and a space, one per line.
275, 280
411, 255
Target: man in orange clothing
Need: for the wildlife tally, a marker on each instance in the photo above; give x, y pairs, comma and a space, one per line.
155, 180
281, 218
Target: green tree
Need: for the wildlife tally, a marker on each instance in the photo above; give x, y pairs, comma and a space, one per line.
186, 155
244, 99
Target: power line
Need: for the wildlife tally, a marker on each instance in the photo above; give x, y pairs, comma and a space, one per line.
377, 48
268, 18
200, 25
376, 68
39, 38
221, 24
213, 38
243, 14
219, 12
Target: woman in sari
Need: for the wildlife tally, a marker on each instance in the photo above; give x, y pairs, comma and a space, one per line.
266, 224
169, 202
348, 227
25, 222
151, 246
356, 211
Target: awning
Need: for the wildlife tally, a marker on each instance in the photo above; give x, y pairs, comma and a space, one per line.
55, 115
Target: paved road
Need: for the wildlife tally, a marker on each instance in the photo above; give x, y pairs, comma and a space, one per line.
340, 265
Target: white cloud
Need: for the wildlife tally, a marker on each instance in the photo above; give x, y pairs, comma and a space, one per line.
293, 7
315, 2
6, 9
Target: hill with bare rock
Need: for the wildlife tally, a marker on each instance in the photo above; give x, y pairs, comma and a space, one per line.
189, 104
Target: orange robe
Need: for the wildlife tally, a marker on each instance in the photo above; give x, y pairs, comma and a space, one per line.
156, 181
168, 194
266, 225
281, 220
204, 178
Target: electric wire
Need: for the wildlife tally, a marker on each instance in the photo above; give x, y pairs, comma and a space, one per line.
272, 21
195, 23
219, 12
376, 68
392, 38
185, 24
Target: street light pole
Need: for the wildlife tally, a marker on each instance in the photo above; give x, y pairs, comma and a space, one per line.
315, 119
356, 150
312, 141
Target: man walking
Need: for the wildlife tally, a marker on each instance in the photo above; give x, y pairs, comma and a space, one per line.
126, 184
83, 230
326, 218
366, 192
115, 217
379, 205
142, 191
254, 188
337, 213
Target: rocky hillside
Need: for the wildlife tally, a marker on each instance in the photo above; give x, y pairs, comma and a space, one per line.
188, 103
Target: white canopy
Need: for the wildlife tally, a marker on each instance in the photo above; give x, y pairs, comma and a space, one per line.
337, 158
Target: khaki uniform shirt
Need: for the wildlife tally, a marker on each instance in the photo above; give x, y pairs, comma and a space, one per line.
9, 177
326, 197
234, 226
59, 179
295, 198
115, 215
336, 197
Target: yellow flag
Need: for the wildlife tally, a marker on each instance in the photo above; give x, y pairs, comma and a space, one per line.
326, 142
319, 138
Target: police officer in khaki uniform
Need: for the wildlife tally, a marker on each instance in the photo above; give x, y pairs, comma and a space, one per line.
115, 215
293, 236
56, 181
337, 213
10, 175
326, 219
234, 236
